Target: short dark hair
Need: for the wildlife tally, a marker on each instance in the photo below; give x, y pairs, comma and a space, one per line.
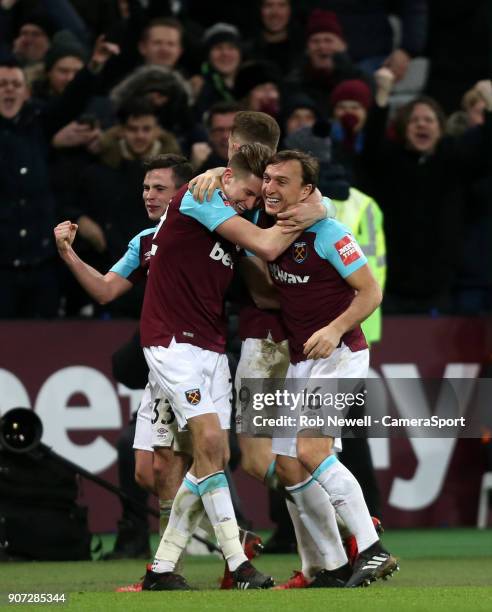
10, 62
252, 126
251, 159
309, 164
136, 107
220, 108
181, 167
163, 22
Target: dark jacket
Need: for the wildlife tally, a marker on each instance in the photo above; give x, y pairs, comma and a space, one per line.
318, 85
27, 204
368, 31
424, 205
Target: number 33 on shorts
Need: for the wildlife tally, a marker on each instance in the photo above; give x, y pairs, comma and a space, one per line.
162, 412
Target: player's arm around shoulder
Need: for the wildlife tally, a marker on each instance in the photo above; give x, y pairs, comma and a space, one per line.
218, 215
267, 244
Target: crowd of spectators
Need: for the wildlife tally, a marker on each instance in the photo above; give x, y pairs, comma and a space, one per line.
88, 89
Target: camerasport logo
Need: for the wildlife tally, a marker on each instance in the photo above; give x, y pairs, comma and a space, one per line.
348, 250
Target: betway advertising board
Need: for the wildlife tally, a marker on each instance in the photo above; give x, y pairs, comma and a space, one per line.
62, 370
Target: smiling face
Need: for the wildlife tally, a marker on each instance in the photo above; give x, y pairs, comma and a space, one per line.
423, 130
13, 91
158, 189
242, 190
225, 57
321, 47
283, 186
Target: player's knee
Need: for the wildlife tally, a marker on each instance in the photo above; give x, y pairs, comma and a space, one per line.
211, 444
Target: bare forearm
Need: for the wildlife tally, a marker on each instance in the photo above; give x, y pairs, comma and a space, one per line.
364, 304
88, 277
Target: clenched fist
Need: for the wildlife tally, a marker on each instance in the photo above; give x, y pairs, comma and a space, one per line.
65, 235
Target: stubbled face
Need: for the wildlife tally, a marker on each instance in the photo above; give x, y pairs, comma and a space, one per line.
219, 133
13, 91
423, 130
32, 43
264, 98
283, 186
62, 72
243, 192
300, 118
140, 133
353, 108
275, 15
158, 189
475, 113
225, 58
161, 46
321, 47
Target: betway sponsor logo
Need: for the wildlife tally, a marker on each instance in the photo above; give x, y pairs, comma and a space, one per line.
285, 277
218, 254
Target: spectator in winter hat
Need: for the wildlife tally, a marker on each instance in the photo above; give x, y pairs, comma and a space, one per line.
218, 72
326, 61
324, 39
351, 101
63, 60
33, 39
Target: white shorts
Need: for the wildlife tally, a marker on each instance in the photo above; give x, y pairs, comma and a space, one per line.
195, 381
342, 363
260, 358
143, 425
156, 425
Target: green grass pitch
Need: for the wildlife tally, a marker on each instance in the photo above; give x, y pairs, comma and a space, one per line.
441, 570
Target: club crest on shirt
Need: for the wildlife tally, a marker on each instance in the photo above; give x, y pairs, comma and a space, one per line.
225, 199
348, 250
299, 252
193, 396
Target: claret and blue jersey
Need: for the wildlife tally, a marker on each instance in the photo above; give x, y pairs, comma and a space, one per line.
190, 270
134, 264
310, 278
